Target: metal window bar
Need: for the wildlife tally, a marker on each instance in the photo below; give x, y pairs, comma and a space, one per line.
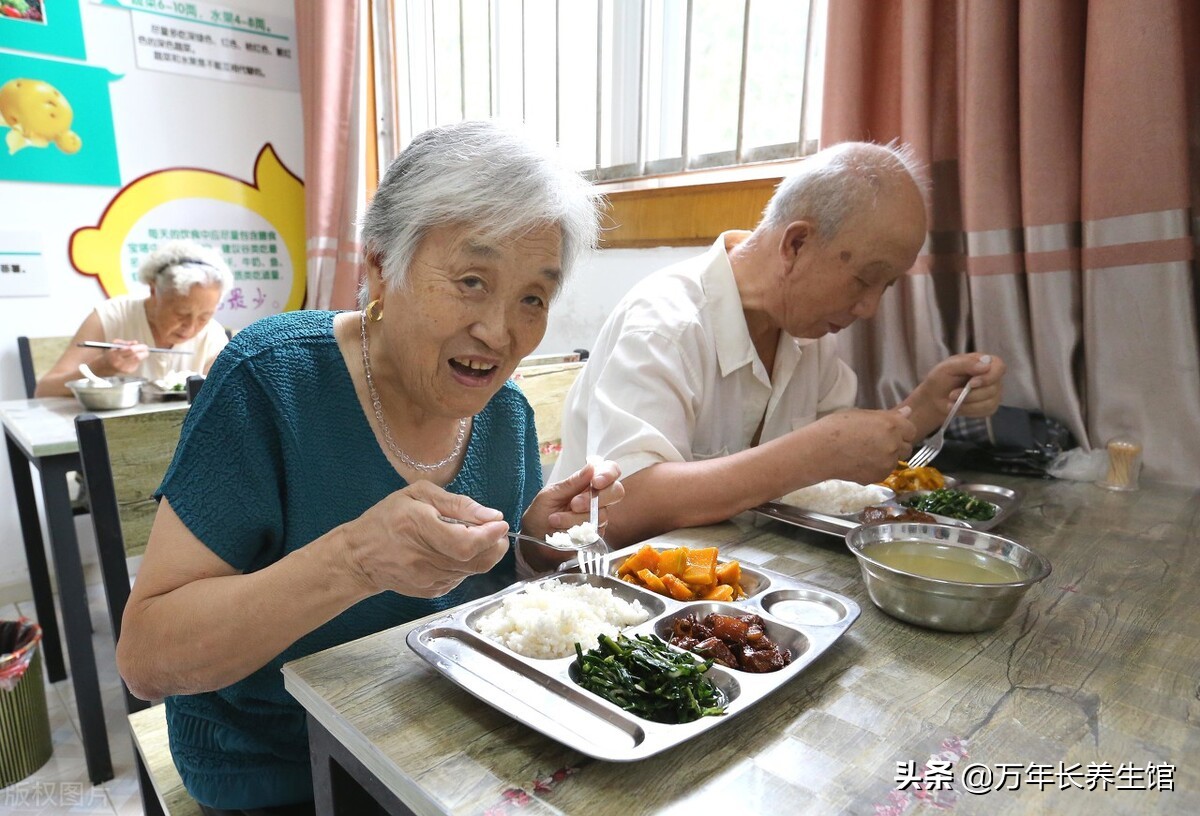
491, 57
599, 81
739, 149
687, 84
385, 85
643, 93
524, 116
394, 30
431, 61
808, 36
462, 64
558, 71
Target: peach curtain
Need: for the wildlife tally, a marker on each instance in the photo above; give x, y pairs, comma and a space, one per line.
1062, 141
331, 46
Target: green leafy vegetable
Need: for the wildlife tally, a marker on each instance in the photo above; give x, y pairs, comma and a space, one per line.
646, 677
952, 503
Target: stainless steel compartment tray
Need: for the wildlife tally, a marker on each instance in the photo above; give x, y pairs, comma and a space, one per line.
1005, 499
542, 695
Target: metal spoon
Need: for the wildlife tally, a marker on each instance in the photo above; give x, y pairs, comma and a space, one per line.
99, 382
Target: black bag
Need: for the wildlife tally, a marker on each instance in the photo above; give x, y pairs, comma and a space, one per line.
1013, 440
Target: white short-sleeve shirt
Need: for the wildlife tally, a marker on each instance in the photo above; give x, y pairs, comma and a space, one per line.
124, 317
675, 377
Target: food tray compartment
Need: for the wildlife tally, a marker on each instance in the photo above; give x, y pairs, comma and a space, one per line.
724, 679
654, 604
754, 581
1004, 499
786, 637
545, 700
543, 693
808, 607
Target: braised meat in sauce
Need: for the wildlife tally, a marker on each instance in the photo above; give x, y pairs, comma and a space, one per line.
736, 642
884, 514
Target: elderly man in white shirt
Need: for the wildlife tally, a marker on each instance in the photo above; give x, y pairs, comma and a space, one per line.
715, 383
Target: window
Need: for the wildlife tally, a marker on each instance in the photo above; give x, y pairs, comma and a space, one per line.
627, 88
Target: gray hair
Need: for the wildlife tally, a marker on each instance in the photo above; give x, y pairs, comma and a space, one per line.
481, 174
833, 183
177, 266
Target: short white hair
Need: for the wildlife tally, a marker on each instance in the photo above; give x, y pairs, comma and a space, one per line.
480, 174
177, 266
833, 183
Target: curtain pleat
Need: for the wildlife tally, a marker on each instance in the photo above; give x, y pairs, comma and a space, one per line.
330, 41
1061, 147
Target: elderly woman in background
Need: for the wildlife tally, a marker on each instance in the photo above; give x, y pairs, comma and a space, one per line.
187, 282
357, 435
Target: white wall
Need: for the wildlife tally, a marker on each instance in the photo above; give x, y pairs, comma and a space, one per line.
189, 127
594, 288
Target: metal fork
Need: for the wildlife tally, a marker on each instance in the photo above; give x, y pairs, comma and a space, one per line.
933, 445
589, 557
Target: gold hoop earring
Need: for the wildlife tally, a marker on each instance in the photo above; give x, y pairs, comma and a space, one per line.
374, 314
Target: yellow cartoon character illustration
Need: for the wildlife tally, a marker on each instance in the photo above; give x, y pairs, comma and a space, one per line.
37, 114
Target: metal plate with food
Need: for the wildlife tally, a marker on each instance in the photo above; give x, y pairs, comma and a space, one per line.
1002, 501
508, 649
153, 392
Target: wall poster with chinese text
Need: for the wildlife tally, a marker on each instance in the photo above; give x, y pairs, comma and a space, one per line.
257, 227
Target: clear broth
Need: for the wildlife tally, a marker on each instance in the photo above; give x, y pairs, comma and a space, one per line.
943, 562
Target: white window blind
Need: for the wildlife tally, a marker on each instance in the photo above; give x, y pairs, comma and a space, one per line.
627, 88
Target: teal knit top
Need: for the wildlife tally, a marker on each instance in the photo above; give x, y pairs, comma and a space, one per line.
276, 452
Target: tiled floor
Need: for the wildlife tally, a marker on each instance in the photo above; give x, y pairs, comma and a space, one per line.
62, 785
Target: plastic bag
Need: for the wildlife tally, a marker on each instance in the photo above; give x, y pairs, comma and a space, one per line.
1013, 440
1079, 465
18, 640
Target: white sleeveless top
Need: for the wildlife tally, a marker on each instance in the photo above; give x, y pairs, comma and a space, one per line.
125, 317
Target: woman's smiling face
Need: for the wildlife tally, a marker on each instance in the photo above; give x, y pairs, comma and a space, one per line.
470, 308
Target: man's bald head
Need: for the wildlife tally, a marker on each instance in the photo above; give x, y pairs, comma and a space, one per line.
843, 181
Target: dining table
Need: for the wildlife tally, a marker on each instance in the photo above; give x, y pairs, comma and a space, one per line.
41, 433
1086, 700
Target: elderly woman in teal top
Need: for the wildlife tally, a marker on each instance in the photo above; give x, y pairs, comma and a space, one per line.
302, 508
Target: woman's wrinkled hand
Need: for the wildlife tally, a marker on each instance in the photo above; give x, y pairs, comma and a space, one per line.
562, 505
400, 544
126, 359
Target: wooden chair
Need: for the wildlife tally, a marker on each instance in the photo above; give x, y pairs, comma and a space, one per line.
546, 387
38, 355
124, 460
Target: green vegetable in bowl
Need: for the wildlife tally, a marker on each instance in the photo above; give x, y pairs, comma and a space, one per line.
646, 677
952, 503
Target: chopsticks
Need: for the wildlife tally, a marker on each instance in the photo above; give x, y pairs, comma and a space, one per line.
97, 344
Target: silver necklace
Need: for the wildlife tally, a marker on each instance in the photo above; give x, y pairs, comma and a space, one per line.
424, 467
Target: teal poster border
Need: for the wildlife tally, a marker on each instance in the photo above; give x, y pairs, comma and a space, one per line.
59, 34
56, 121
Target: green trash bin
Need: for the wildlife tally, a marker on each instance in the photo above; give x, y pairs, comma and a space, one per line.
24, 721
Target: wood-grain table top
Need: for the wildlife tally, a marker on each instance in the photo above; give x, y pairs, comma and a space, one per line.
1098, 668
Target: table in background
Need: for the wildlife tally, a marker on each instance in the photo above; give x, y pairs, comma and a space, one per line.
41, 432
1099, 664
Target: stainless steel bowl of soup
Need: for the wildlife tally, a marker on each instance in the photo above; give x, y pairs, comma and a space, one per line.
950, 578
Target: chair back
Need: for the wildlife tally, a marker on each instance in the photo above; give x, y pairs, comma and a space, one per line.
193, 387
124, 460
546, 388
38, 355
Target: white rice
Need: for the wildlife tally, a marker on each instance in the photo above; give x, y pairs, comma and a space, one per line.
548, 618
577, 536
836, 497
